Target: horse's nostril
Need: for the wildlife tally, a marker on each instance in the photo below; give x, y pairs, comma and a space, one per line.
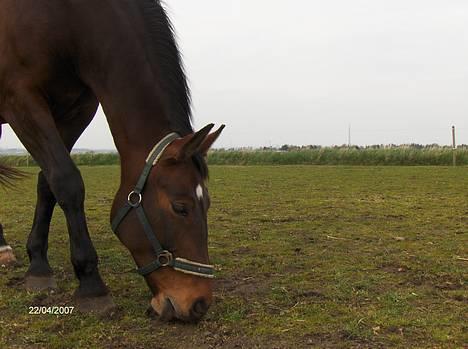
199, 308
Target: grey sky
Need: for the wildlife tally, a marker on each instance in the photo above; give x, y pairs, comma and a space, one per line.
300, 71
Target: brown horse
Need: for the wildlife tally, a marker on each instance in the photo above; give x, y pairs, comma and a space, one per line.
58, 60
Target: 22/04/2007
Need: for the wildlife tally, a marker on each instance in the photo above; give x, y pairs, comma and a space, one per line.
51, 310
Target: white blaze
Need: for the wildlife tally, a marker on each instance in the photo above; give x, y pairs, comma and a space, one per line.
199, 192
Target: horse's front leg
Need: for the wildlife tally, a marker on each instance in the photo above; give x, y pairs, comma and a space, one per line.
7, 257
40, 275
38, 132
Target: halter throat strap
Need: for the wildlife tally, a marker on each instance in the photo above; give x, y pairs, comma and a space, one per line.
164, 258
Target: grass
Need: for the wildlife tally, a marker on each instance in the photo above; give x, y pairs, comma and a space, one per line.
364, 156
307, 256
371, 156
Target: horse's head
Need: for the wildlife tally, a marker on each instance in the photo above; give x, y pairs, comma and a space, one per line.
172, 207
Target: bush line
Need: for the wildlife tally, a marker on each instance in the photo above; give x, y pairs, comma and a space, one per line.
369, 156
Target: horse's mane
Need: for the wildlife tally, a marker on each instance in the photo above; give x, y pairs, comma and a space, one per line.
163, 50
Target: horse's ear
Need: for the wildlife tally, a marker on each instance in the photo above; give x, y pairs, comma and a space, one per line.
192, 143
210, 139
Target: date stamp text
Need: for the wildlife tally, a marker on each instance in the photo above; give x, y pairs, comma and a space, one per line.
50, 310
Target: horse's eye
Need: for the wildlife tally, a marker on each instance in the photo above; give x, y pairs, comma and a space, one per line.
180, 209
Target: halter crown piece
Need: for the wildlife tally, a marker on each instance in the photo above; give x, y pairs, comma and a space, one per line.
164, 258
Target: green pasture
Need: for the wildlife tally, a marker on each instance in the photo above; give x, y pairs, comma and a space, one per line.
306, 257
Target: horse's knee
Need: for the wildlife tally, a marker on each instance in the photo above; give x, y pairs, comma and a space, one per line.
44, 192
68, 188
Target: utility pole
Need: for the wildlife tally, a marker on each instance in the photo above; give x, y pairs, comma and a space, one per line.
349, 136
454, 147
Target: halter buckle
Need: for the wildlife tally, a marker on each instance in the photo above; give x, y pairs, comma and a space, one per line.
131, 199
165, 258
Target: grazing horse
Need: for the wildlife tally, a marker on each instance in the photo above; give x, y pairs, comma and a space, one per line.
58, 60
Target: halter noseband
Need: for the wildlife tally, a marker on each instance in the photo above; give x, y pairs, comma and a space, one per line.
164, 257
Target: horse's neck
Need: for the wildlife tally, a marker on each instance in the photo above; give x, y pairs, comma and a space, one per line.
126, 79
133, 103
134, 109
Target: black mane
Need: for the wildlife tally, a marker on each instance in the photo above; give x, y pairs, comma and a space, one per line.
163, 49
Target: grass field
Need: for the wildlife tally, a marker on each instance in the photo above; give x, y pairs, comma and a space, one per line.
326, 257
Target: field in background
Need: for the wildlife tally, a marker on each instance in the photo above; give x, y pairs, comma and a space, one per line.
307, 256
413, 155
369, 156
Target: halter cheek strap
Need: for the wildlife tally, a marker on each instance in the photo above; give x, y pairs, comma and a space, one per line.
164, 258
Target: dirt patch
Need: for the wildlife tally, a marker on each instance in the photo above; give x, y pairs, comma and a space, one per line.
395, 268
440, 282
52, 298
338, 340
220, 337
449, 285
242, 251
242, 287
311, 294
460, 298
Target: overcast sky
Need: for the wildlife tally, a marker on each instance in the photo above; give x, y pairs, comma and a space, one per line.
301, 71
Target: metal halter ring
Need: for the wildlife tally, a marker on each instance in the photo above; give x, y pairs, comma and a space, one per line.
165, 258
134, 195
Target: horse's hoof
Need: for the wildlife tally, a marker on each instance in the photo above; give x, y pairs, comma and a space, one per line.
95, 305
39, 283
7, 257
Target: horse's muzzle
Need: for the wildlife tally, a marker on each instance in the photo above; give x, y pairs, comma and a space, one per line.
168, 310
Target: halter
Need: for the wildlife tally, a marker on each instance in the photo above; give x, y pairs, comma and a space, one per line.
164, 258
